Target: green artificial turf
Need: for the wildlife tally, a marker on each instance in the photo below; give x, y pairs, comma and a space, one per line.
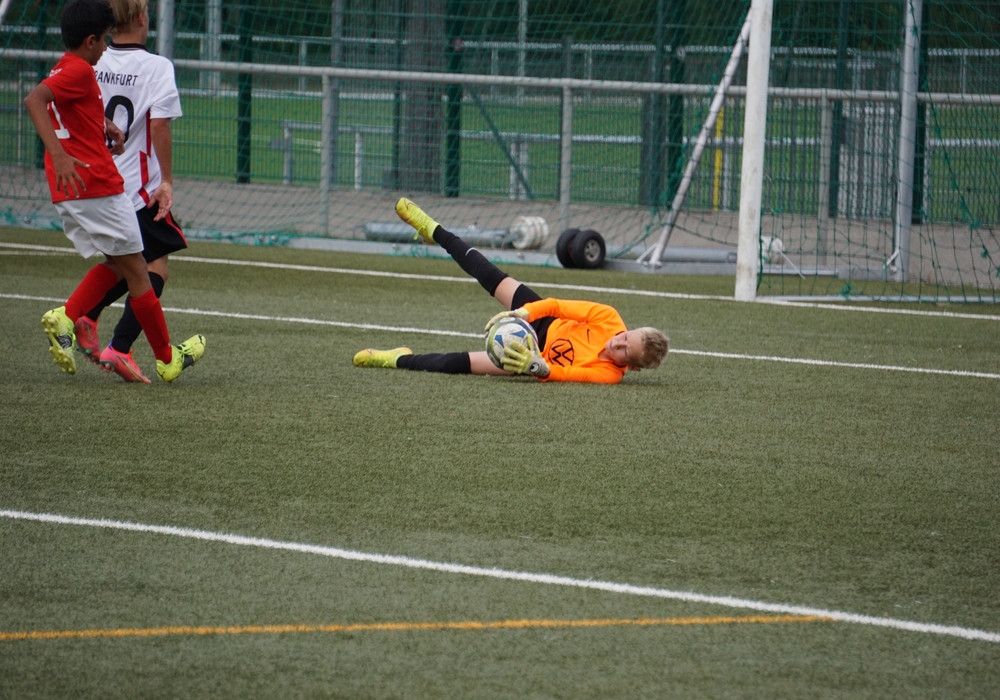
856, 489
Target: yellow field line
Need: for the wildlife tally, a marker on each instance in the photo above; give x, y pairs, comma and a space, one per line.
404, 627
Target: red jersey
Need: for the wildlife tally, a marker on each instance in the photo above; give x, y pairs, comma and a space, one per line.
574, 341
77, 115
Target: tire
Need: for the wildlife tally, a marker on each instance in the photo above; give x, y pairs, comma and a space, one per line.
563, 247
587, 250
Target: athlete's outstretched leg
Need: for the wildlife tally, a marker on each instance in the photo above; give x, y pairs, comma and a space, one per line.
495, 281
445, 362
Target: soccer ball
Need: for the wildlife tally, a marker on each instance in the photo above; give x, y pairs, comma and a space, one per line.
772, 250
503, 332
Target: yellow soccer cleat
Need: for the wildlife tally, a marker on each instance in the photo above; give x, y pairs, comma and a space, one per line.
380, 358
417, 218
185, 355
59, 328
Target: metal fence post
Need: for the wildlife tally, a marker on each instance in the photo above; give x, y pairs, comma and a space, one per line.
565, 158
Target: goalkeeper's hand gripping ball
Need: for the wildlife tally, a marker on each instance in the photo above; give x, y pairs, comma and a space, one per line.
513, 313
520, 360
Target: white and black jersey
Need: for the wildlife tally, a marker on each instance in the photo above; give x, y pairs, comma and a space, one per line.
137, 86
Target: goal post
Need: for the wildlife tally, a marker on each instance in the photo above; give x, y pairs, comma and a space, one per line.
754, 132
899, 261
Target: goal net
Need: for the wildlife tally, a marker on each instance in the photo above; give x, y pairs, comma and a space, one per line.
304, 120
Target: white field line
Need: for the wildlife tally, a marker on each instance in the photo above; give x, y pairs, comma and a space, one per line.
507, 575
574, 287
830, 363
466, 334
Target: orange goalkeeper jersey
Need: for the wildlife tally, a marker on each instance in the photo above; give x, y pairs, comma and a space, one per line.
576, 338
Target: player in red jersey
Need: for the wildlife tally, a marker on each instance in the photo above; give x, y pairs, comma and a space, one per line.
88, 192
141, 97
580, 341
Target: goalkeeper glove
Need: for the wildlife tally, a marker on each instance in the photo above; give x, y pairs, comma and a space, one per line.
513, 313
520, 360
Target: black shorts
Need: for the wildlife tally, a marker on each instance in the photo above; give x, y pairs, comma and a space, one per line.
524, 295
159, 238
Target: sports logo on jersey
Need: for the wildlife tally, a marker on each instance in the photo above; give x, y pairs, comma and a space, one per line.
561, 353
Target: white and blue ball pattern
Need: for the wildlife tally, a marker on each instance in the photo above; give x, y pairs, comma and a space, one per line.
507, 329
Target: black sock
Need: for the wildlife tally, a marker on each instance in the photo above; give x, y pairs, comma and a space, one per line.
449, 363
471, 260
128, 328
113, 295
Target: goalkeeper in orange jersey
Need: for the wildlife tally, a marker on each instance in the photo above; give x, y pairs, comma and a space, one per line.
580, 341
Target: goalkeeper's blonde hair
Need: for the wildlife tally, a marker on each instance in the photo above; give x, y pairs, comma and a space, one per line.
126, 13
655, 346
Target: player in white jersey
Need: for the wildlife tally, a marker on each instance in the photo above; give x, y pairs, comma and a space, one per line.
140, 95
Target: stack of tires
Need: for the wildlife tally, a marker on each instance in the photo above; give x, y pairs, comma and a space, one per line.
581, 249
